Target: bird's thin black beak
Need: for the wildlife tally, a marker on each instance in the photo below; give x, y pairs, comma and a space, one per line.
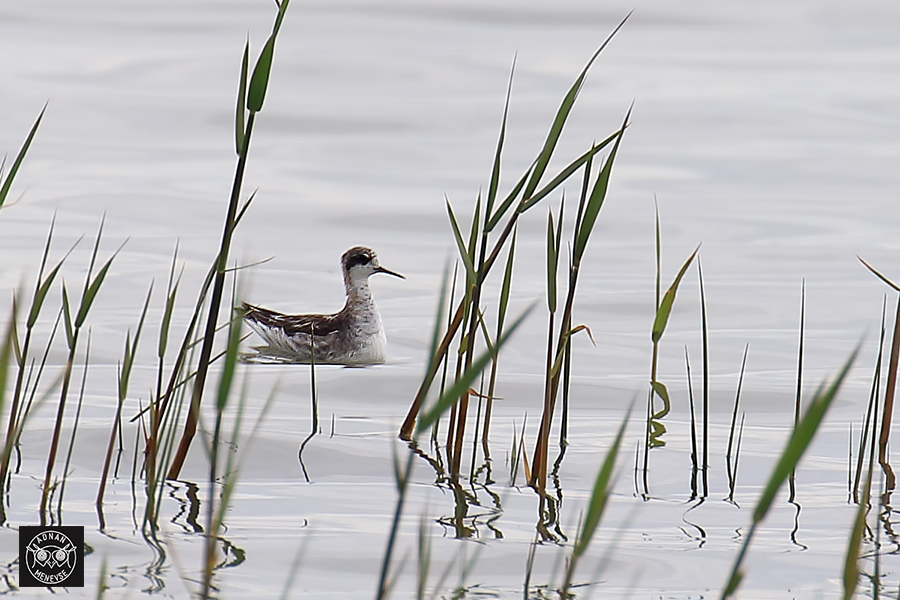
388, 272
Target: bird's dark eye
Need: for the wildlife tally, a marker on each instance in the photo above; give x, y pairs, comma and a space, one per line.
357, 260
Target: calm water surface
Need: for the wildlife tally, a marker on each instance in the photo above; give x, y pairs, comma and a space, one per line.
769, 133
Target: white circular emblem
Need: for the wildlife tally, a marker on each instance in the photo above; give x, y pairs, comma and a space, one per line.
51, 557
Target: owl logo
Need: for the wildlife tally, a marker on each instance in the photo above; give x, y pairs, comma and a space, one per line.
51, 557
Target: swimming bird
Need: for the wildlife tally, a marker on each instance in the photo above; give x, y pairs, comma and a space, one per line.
353, 336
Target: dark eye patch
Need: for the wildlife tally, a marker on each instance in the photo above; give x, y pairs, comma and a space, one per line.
358, 259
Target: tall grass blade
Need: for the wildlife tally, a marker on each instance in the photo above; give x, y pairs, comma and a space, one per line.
552, 262
734, 412
91, 293
67, 318
562, 114
871, 419
259, 81
495, 171
424, 556
461, 246
40, 293
565, 173
241, 109
668, 300
14, 168
792, 480
601, 492
704, 326
598, 195
508, 201
695, 463
5, 352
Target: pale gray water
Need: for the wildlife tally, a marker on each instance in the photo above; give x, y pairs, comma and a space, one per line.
769, 133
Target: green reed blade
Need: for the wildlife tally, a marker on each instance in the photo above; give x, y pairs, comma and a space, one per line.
507, 284
424, 558
598, 195
660, 390
737, 400
495, 171
508, 201
7, 183
167, 313
241, 109
282, 9
798, 396
461, 245
243, 210
234, 336
561, 347
17, 349
552, 262
40, 294
464, 382
131, 348
259, 81
601, 492
587, 157
91, 292
559, 226
485, 332
690, 387
67, 317
582, 198
704, 328
42, 287
668, 300
562, 114
5, 351
473, 233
